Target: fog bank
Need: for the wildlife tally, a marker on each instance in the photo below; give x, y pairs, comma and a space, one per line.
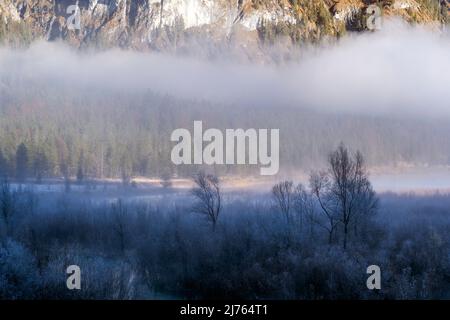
397, 70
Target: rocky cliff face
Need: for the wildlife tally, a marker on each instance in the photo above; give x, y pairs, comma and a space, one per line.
178, 25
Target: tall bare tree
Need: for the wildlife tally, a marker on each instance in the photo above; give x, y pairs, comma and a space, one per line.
351, 187
320, 185
283, 194
344, 192
304, 207
207, 193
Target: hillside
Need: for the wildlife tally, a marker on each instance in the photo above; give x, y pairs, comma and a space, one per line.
186, 25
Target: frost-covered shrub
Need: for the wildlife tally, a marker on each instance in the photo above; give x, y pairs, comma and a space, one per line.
19, 278
101, 278
419, 259
251, 255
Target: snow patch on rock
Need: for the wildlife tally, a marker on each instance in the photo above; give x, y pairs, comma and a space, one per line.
251, 21
193, 12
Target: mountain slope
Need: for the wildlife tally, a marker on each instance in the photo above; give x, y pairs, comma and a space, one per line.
179, 25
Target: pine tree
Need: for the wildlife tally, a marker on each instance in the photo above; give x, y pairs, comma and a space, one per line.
21, 163
127, 169
40, 166
3, 166
80, 170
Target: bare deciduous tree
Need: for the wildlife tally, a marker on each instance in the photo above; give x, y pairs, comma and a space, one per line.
351, 187
207, 192
320, 185
283, 194
344, 193
303, 207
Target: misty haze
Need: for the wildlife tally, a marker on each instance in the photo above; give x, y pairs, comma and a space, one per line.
87, 178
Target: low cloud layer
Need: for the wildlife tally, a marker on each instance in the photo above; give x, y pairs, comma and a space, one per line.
398, 70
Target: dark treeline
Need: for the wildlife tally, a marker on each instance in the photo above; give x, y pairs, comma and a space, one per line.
77, 133
200, 245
